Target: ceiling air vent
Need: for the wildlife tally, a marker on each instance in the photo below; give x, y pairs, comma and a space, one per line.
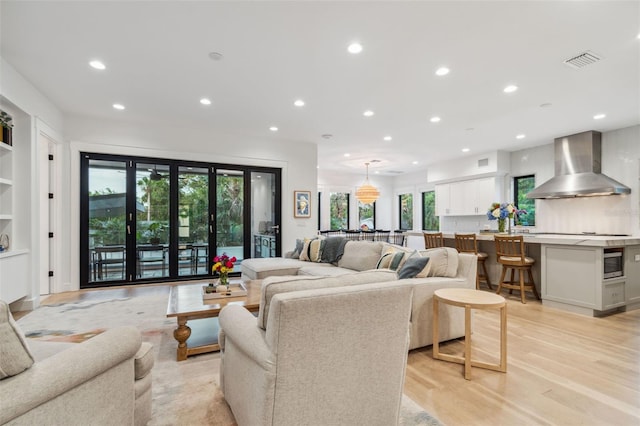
395, 172
483, 162
582, 60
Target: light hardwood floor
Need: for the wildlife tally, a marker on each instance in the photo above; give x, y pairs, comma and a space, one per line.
563, 368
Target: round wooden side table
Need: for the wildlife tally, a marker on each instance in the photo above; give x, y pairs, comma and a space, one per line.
470, 299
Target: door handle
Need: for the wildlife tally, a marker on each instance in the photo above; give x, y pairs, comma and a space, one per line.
129, 229
277, 228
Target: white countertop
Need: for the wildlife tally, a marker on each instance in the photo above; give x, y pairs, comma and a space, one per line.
574, 240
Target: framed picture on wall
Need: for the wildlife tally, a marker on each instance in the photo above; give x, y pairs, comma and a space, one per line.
301, 203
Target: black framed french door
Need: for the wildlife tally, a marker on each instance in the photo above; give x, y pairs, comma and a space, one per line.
154, 220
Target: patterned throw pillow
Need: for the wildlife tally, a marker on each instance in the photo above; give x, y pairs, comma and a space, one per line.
394, 259
315, 250
413, 267
304, 254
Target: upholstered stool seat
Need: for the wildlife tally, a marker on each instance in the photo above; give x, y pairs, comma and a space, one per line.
467, 243
511, 255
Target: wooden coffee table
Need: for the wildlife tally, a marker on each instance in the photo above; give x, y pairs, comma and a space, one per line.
186, 304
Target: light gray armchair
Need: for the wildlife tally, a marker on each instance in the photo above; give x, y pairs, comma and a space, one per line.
331, 356
103, 381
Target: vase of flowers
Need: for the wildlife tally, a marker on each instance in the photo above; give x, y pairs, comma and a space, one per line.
503, 213
222, 265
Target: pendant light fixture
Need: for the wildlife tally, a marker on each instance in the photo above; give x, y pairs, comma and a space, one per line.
367, 193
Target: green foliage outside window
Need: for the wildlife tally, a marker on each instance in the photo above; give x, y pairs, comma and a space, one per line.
522, 186
366, 216
430, 221
406, 211
230, 203
339, 210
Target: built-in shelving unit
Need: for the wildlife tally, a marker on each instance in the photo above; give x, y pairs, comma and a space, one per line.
15, 280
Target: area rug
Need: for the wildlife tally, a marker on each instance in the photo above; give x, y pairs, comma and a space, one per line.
184, 393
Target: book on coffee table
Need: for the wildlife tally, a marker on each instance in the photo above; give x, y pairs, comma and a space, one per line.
234, 290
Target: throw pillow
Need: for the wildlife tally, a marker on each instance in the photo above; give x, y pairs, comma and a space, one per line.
444, 261
15, 356
315, 250
298, 249
394, 259
304, 254
413, 266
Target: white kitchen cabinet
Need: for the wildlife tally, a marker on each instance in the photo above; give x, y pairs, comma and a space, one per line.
632, 272
14, 270
572, 277
465, 198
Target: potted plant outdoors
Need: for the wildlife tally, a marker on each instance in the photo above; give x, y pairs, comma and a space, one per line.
155, 232
6, 121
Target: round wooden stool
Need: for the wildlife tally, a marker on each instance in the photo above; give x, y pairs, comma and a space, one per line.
470, 299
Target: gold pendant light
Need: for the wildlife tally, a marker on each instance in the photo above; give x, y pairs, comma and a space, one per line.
367, 193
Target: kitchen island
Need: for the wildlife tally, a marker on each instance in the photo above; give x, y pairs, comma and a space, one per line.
570, 270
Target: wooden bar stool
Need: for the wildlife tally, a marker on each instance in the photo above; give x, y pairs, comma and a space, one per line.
467, 243
510, 254
433, 239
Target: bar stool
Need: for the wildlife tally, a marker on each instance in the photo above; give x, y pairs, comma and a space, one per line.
467, 243
433, 240
510, 254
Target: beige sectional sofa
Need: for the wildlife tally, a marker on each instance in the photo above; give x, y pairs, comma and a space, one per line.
362, 263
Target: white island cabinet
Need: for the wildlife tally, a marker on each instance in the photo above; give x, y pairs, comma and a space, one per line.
573, 279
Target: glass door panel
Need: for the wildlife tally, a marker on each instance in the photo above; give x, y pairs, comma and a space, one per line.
264, 226
229, 223
193, 224
152, 220
107, 231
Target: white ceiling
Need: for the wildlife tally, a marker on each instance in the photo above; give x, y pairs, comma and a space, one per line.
276, 52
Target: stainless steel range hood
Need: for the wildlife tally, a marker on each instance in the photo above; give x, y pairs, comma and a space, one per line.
577, 170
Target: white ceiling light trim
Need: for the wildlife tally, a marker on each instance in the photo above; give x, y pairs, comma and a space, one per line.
119, 107
599, 116
510, 88
521, 136
299, 103
354, 48
435, 119
99, 65
205, 101
442, 71
387, 138
368, 113
273, 128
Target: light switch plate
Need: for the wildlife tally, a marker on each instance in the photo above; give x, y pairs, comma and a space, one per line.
637, 258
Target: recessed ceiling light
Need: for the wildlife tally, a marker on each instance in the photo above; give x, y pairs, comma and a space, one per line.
273, 128
599, 116
414, 162
205, 101
355, 48
347, 155
118, 106
327, 136
299, 103
638, 37
377, 172
97, 65
465, 150
469, 129
545, 105
368, 113
434, 119
510, 89
387, 138
442, 71
520, 136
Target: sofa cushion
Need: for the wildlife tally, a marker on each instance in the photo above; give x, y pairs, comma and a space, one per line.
413, 266
361, 255
15, 356
322, 271
143, 360
260, 268
443, 260
275, 285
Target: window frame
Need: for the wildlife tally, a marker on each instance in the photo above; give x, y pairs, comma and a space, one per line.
516, 193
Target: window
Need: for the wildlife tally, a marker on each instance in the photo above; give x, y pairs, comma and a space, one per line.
339, 210
367, 216
406, 211
429, 219
522, 185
